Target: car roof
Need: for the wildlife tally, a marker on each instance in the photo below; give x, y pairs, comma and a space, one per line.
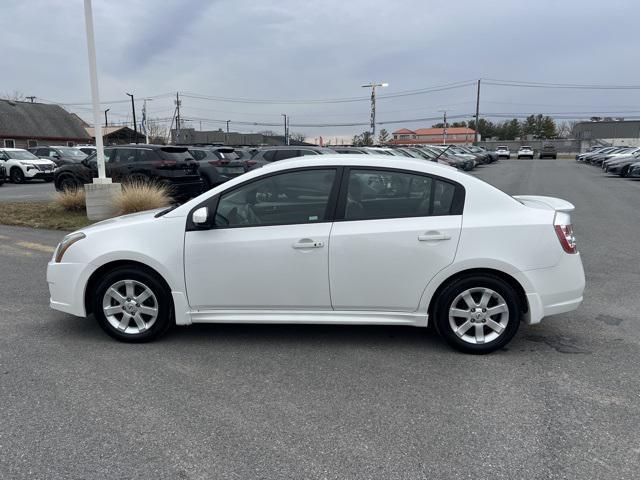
12, 149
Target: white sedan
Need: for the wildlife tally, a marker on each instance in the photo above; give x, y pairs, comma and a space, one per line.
337, 239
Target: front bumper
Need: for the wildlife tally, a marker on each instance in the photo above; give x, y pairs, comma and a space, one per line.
67, 283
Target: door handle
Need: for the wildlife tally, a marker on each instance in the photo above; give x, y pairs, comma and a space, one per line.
433, 237
307, 243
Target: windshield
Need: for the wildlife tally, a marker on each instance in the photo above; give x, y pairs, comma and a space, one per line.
71, 152
20, 155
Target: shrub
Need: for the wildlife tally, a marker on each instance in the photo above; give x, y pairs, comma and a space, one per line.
140, 196
71, 200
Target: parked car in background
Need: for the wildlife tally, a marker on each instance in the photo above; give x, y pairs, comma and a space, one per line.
599, 158
621, 165
211, 177
411, 243
21, 165
167, 165
86, 149
599, 150
548, 151
634, 170
525, 152
59, 155
491, 156
267, 155
351, 150
503, 151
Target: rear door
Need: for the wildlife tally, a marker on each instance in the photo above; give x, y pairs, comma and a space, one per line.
394, 231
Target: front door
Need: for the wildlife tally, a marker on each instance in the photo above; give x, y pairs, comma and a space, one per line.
268, 247
397, 231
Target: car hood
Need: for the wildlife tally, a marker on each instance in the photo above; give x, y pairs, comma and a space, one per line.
38, 161
122, 221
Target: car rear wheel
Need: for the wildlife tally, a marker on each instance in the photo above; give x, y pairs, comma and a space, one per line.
132, 305
478, 314
16, 175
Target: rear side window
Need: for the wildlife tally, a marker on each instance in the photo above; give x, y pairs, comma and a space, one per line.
268, 155
198, 154
284, 154
378, 194
126, 155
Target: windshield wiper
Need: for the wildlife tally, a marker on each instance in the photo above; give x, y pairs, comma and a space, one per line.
166, 210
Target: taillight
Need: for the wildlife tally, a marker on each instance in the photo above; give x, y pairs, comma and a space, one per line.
566, 237
251, 163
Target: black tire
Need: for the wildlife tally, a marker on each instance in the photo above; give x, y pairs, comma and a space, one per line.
162, 301
16, 175
68, 183
449, 295
624, 173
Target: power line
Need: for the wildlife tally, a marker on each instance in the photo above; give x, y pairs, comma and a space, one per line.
576, 86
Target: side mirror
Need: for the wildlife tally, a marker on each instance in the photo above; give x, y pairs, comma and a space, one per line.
200, 216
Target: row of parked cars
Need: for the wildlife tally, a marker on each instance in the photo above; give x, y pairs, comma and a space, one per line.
623, 161
526, 151
188, 170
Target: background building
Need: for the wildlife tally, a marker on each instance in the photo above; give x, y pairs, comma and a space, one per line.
29, 124
461, 135
115, 135
191, 136
608, 132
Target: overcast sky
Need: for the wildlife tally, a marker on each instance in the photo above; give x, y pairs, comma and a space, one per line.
301, 50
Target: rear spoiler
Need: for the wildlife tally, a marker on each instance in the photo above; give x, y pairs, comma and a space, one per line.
549, 203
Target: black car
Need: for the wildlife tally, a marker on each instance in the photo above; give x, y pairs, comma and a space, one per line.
548, 151
207, 160
272, 154
3, 174
171, 166
59, 155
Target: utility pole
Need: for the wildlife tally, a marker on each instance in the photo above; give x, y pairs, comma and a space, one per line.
226, 137
373, 104
106, 119
31, 98
135, 125
286, 140
145, 130
444, 130
475, 135
177, 140
288, 133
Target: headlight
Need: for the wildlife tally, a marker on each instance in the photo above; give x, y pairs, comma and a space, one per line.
66, 242
26, 164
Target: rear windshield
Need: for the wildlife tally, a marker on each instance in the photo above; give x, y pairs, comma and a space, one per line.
175, 153
71, 152
227, 155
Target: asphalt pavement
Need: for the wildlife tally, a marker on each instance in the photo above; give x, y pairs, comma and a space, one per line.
335, 402
31, 191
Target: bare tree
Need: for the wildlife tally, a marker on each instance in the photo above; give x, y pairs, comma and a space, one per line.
298, 136
565, 129
14, 96
157, 132
383, 136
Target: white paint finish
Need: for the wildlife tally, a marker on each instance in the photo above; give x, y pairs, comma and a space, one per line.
258, 267
383, 265
310, 317
378, 268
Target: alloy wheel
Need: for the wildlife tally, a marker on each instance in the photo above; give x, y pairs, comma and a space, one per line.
130, 306
478, 315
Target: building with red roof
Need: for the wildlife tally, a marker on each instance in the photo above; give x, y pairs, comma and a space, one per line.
461, 135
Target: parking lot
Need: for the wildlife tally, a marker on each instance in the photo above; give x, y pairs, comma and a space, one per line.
36, 191
285, 401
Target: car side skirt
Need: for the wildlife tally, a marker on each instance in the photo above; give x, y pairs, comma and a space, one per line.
331, 317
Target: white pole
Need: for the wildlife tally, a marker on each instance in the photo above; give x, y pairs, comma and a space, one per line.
93, 74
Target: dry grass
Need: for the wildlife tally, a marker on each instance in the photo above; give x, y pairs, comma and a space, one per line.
42, 215
140, 196
71, 200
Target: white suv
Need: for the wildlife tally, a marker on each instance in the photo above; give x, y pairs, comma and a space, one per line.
525, 152
503, 151
22, 165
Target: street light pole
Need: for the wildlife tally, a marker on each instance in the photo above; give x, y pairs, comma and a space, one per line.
226, 138
95, 97
135, 125
286, 136
106, 120
444, 130
373, 105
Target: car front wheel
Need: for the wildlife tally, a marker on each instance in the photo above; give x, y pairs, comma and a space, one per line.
478, 314
132, 305
16, 175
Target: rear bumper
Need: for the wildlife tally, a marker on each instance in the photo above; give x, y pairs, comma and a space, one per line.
554, 290
186, 189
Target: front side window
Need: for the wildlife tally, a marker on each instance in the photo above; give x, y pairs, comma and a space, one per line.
282, 199
377, 194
